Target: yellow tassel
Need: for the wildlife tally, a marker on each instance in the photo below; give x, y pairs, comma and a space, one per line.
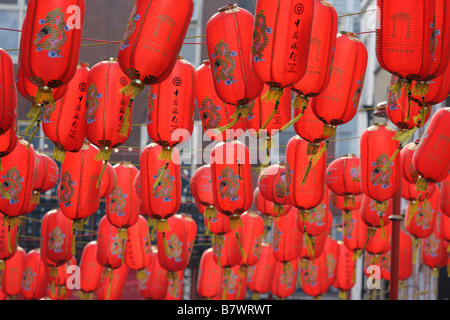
397, 86
34, 132
388, 163
342, 295
416, 245
370, 234
126, 121
44, 95
273, 94
404, 136
255, 296
166, 246
74, 241
1, 165
122, 233
133, 89
104, 154
109, 275
35, 197
210, 213
243, 254
329, 130
2, 265
421, 184
8, 240
161, 175
162, 225
308, 168
381, 206
318, 298
165, 154
356, 254
448, 269
272, 114
53, 272
59, 154
299, 102
151, 223
35, 112
316, 157
309, 246
87, 296
435, 273
78, 225
241, 112
218, 240
4, 192
235, 221
312, 148
140, 274
421, 88
278, 210
383, 233
99, 180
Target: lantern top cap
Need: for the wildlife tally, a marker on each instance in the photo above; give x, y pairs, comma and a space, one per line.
228, 7
347, 33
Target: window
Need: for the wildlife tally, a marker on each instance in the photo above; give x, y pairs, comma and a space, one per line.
12, 13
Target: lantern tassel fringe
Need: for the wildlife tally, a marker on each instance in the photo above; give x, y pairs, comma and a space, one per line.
416, 245
133, 89
302, 102
421, 184
126, 121
241, 249
59, 154
318, 155
273, 94
389, 162
162, 225
165, 154
102, 172
140, 274
33, 115
308, 168
420, 88
34, 132
329, 130
241, 112
160, 177
235, 221
272, 114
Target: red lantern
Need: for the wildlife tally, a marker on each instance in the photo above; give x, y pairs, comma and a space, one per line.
310, 191
8, 241
287, 239
445, 196
123, 204
34, 281
16, 179
434, 248
228, 253
112, 286
229, 36
331, 250
171, 106
151, 41
215, 113
78, 194
413, 25
50, 44
267, 208
318, 221
57, 245
431, 159
343, 177
13, 273
339, 203
191, 234
109, 181
59, 289
315, 281
110, 247
138, 252
232, 179
160, 184
410, 193
209, 283
272, 185
379, 169
219, 226
405, 260
175, 287
234, 284
201, 190
345, 270
173, 246
321, 53
155, 284
347, 75
108, 124
285, 279
253, 232
8, 93
90, 271
260, 276
372, 217
380, 243
8, 142
47, 175
313, 246
355, 232
63, 121
406, 155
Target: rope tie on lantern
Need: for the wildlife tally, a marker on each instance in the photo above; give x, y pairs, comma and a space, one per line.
242, 111
300, 102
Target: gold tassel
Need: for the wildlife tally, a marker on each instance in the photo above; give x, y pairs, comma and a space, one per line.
4, 192
241, 112
381, 206
151, 222
34, 132
218, 239
162, 225
255, 296
397, 86
1, 165
272, 114
370, 233
53, 272
273, 94
109, 275
312, 148
329, 130
318, 298
265, 162
133, 89
140, 274
122, 233
8, 240
299, 102
383, 233
210, 212
104, 154
34, 114
278, 210
165, 154
421, 88
316, 157
87, 296
342, 295
388, 163
404, 136
59, 154
166, 246
2, 265
161, 175
421, 184
243, 254
308, 168
74, 241
78, 225
235, 221
35, 197
435, 273
416, 245
126, 121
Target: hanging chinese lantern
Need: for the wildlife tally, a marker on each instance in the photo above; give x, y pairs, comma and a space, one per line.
234, 284
343, 177
355, 232
50, 47
58, 288
112, 287
151, 42
107, 126
279, 54
78, 194
229, 36
47, 175
320, 63
374, 218
215, 113
260, 276
310, 191
173, 246
109, 181
90, 271
138, 251
160, 185
314, 276
287, 239
123, 204
445, 196
379, 170
191, 234
8, 142
435, 248
331, 250
228, 253
201, 190
405, 260
34, 281
314, 243
272, 186
285, 279
155, 284
410, 193
219, 226
406, 156
16, 180
338, 202
267, 208
445, 232
412, 42
347, 75
209, 283
8, 241
175, 287
64, 121
57, 245
379, 243
11, 277
171, 106
232, 179
431, 159
345, 270
253, 231
8, 93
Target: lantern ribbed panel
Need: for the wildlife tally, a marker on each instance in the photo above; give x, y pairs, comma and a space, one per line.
34, 283
229, 42
47, 173
319, 219
8, 92
354, 230
63, 122
234, 284
228, 254
272, 183
285, 279
171, 105
109, 181
309, 127
313, 248
218, 225
8, 141
112, 286
434, 247
405, 263
153, 37
260, 276
410, 193
315, 277
49, 47
421, 222
138, 252
438, 90
210, 275
445, 225
281, 40
90, 270
191, 234
266, 207
253, 232
201, 186
378, 244
343, 175
406, 155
